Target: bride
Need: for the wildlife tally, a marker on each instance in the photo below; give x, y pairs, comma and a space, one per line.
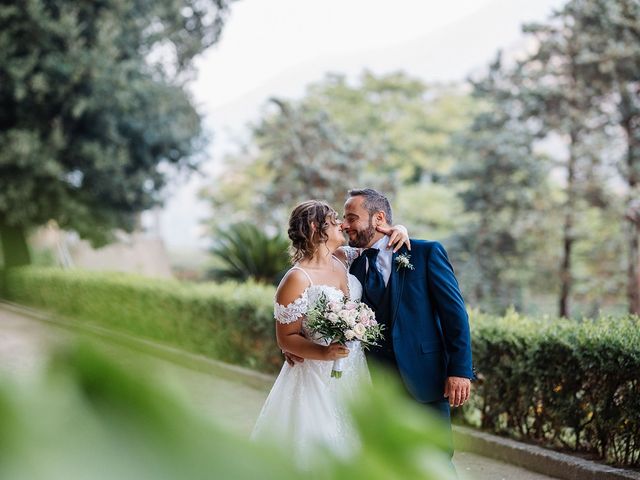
306, 408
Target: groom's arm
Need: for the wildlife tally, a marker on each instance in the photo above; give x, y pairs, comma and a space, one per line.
449, 304
291, 358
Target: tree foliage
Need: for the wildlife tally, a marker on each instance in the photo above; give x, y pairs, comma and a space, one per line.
309, 156
391, 132
532, 177
562, 95
407, 120
610, 60
501, 183
92, 106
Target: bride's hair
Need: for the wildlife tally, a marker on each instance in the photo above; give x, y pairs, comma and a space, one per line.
305, 238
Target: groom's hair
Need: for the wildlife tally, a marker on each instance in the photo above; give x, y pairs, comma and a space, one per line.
374, 201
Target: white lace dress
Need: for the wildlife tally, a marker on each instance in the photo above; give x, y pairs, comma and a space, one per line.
306, 408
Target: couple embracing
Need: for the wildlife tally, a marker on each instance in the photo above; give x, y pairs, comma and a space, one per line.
414, 293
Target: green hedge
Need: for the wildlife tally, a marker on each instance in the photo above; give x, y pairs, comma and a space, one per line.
565, 384
228, 321
572, 385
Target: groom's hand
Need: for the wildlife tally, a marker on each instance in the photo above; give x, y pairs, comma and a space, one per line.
457, 390
291, 358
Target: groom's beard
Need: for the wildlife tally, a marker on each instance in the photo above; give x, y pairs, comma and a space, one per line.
363, 237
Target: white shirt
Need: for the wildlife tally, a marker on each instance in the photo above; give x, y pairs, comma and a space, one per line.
385, 256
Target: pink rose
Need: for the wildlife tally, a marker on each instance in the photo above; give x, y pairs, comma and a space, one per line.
335, 306
351, 305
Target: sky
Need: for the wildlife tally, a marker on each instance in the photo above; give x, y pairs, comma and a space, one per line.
277, 47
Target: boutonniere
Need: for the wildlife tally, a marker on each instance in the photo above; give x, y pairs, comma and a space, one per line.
403, 261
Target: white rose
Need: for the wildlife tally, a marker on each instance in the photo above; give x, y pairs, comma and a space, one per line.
335, 306
349, 334
333, 317
359, 330
344, 315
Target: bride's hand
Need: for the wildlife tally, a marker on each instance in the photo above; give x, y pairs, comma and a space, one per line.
336, 351
398, 235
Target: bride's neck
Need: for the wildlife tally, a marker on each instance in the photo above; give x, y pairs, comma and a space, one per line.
322, 258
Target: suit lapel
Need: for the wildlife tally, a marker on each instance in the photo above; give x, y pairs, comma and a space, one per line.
397, 283
396, 279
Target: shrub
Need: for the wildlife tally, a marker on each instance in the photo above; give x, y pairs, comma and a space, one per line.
561, 383
229, 321
246, 252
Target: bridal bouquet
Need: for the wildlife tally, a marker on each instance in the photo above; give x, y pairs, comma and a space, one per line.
346, 322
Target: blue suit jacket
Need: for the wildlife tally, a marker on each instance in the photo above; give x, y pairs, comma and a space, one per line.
430, 325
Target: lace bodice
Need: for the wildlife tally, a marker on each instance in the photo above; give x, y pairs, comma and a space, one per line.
298, 308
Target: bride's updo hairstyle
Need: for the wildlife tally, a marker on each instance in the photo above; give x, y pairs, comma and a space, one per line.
307, 228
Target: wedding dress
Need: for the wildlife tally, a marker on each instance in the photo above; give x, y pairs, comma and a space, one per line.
306, 407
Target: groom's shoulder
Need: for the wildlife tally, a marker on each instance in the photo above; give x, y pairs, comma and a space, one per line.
428, 249
424, 245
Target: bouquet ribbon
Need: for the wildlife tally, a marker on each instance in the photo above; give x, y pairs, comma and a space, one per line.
338, 364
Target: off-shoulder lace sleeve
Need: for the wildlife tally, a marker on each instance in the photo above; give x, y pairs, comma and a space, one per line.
293, 311
351, 253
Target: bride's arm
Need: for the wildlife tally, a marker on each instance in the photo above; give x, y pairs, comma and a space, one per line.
289, 323
398, 236
290, 340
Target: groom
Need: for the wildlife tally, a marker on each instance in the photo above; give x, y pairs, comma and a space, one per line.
416, 297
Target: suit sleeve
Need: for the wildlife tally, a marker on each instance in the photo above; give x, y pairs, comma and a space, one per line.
445, 292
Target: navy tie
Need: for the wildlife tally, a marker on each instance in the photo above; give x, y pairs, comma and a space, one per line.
373, 283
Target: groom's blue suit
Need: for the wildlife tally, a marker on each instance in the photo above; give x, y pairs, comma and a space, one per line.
426, 324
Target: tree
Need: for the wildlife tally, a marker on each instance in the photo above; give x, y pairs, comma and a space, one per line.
309, 156
610, 58
577, 84
409, 121
398, 131
560, 99
501, 181
412, 124
581, 80
295, 153
92, 108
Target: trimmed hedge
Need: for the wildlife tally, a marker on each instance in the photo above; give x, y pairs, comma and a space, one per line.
231, 322
572, 385
559, 383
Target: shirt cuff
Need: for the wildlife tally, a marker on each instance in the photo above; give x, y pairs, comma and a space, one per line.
460, 371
